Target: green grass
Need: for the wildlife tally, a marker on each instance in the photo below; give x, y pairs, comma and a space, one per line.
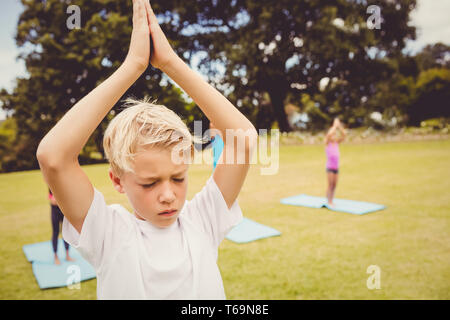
320, 254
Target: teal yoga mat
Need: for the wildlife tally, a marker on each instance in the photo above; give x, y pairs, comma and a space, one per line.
248, 230
47, 274
340, 205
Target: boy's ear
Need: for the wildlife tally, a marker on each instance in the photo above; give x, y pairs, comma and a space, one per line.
117, 183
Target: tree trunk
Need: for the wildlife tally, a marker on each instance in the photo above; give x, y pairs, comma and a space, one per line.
277, 99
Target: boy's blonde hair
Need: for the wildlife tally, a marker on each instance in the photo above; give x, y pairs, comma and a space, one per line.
141, 125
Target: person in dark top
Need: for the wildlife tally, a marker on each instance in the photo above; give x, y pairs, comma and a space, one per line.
57, 218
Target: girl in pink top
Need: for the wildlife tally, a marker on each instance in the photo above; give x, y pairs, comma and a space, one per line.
332, 151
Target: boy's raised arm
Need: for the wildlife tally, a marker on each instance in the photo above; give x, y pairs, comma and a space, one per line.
66, 139
230, 174
225, 116
58, 151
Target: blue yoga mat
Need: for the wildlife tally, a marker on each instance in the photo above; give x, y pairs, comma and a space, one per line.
340, 205
49, 275
248, 230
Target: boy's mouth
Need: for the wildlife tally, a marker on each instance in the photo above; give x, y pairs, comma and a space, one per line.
168, 213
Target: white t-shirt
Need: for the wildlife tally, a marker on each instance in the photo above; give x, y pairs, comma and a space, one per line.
135, 260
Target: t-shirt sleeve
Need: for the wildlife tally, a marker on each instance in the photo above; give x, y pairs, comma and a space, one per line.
97, 231
209, 210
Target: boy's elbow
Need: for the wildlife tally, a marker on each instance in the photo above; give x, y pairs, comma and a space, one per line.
41, 154
46, 163
47, 158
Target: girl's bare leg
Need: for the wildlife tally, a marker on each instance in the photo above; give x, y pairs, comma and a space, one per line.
335, 180
57, 261
333, 185
330, 188
332, 181
69, 258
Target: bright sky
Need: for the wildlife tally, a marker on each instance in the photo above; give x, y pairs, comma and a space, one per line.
430, 18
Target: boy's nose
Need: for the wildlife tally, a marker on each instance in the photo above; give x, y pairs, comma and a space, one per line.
167, 195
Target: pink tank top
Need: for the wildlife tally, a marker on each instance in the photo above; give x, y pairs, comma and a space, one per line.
332, 151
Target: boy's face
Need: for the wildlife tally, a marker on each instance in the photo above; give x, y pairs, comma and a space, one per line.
156, 186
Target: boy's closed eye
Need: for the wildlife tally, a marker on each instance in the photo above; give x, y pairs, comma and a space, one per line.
178, 180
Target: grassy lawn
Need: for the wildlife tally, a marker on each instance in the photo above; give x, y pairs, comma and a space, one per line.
320, 255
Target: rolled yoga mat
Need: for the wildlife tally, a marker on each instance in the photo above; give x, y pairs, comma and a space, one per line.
340, 205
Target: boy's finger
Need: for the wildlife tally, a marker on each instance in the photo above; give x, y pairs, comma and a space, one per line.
141, 13
150, 9
134, 9
147, 10
136, 14
140, 9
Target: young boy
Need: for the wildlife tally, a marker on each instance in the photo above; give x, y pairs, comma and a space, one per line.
168, 247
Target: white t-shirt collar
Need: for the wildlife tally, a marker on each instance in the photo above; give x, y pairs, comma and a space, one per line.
148, 226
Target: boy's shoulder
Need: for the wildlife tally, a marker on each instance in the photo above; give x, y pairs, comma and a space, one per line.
117, 210
121, 211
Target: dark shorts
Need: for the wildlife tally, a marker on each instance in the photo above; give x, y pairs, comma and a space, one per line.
336, 171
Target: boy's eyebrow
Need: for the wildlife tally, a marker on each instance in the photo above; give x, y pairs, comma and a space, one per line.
156, 177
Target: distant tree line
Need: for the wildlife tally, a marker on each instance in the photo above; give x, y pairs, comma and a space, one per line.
320, 56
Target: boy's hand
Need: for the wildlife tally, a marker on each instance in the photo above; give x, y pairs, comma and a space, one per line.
139, 51
162, 53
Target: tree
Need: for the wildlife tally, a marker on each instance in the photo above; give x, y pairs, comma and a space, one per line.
415, 91
65, 64
272, 52
8, 131
273, 47
432, 96
434, 56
